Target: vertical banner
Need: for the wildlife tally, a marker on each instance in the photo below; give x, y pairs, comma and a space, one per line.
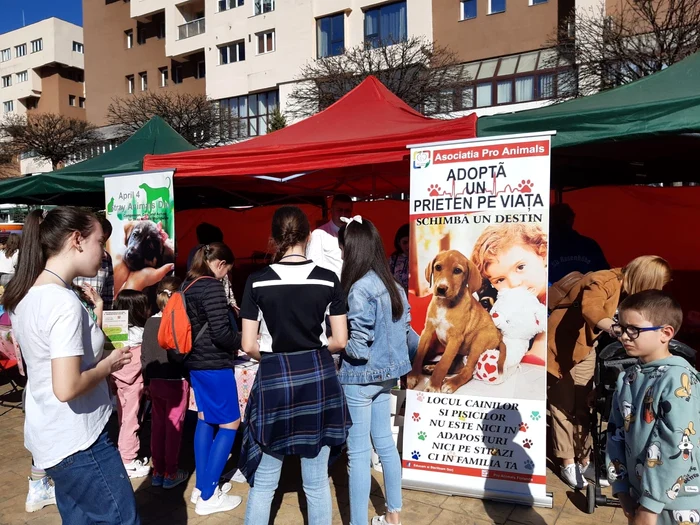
476, 406
140, 207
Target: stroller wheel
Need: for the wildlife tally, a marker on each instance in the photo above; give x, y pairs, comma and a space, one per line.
590, 497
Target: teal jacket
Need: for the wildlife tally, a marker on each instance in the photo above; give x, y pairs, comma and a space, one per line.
653, 452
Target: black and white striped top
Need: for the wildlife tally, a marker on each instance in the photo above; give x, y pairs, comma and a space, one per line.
294, 298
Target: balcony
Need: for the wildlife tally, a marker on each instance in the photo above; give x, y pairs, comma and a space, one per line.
190, 29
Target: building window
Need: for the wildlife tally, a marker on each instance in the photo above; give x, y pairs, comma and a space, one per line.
20, 50
266, 42
37, 45
32, 103
201, 69
330, 35
497, 6
163, 76
250, 112
130, 88
78, 47
231, 53
141, 35
386, 25
468, 9
177, 74
81, 102
71, 100
225, 5
7, 81
537, 2
129, 34
483, 95
143, 76
5, 55
22, 76
9, 106
264, 6
161, 30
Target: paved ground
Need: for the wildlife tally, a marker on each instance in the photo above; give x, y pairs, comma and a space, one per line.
159, 507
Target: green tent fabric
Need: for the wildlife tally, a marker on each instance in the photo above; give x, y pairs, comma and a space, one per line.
665, 103
60, 186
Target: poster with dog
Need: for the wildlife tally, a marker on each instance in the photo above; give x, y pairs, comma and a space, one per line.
140, 207
476, 400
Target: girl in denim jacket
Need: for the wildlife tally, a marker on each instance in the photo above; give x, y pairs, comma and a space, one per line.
376, 356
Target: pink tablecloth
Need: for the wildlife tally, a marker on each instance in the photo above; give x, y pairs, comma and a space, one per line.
245, 375
8, 347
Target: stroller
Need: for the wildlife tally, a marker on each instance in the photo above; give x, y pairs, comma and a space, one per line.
612, 360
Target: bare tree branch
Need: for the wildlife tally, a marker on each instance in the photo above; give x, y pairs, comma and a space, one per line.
640, 37
51, 137
197, 118
416, 70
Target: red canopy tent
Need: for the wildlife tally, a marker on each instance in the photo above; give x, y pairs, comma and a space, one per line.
356, 146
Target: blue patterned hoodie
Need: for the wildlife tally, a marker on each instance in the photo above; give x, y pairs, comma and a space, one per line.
653, 451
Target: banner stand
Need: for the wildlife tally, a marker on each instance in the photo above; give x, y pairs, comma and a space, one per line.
475, 420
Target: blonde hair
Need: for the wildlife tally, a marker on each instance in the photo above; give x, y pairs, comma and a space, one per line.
165, 289
495, 239
648, 272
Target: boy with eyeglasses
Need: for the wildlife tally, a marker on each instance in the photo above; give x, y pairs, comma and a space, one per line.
652, 455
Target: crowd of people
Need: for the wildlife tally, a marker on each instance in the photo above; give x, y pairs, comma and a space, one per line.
303, 402
329, 324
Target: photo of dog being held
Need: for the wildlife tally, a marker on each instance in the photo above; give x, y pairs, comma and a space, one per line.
147, 245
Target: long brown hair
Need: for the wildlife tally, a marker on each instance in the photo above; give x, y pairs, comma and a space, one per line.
216, 251
363, 251
12, 245
43, 238
290, 226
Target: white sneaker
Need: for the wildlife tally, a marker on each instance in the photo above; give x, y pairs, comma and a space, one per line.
572, 476
41, 493
380, 520
588, 473
137, 468
225, 488
219, 502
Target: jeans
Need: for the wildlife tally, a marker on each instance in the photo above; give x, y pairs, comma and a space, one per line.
370, 410
314, 473
169, 399
92, 487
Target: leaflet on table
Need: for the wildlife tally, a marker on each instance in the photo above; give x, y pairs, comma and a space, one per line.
115, 325
475, 408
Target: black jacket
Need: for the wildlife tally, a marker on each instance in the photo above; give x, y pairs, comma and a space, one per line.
156, 362
219, 345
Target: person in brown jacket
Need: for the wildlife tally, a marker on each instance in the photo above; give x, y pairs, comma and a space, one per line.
571, 338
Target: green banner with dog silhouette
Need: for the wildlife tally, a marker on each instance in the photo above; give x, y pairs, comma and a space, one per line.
475, 419
141, 208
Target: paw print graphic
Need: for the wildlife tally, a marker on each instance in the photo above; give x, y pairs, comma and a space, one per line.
525, 186
527, 443
524, 427
434, 190
529, 465
420, 396
415, 455
422, 436
535, 416
416, 417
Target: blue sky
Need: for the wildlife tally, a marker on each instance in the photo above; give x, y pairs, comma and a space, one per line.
35, 10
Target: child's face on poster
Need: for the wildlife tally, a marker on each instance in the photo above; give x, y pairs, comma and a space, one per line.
518, 266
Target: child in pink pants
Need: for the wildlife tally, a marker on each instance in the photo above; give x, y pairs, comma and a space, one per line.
129, 384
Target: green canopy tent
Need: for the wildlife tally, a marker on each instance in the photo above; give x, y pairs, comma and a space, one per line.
636, 133
82, 183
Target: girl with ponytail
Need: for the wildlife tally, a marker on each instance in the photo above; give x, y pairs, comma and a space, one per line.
68, 402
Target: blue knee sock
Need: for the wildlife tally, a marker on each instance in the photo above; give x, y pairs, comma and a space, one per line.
217, 461
203, 439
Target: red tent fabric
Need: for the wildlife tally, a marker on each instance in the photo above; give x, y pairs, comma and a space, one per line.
357, 146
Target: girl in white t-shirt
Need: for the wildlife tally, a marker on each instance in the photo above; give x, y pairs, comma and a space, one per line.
67, 398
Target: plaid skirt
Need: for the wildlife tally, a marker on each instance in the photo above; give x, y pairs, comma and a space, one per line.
296, 407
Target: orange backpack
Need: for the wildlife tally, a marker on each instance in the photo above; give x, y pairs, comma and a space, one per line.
175, 331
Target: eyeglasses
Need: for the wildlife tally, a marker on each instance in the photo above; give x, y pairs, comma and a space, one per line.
631, 331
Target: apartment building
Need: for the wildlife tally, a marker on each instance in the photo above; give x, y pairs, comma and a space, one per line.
504, 48
247, 54
41, 69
